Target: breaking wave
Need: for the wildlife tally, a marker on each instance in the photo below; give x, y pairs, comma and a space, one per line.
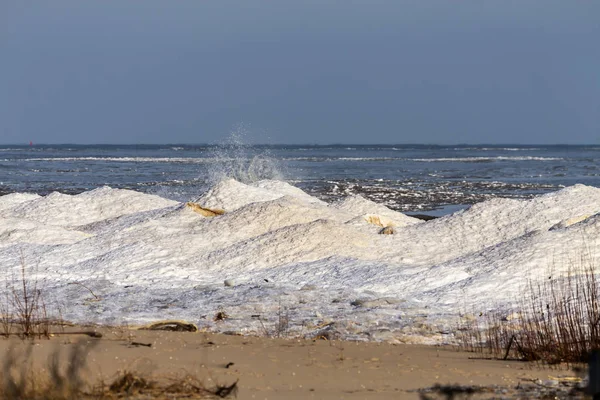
188, 160
439, 159
234, 158
486, 159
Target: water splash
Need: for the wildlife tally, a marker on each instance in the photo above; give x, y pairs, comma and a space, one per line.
236, 158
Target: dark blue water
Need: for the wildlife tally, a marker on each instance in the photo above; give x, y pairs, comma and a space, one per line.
404, 177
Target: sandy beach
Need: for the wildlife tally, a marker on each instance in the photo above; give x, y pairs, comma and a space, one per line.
267, 368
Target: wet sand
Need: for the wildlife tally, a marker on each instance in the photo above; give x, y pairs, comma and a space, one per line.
286, 368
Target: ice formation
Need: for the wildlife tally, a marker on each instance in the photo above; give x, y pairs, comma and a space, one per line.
281, 250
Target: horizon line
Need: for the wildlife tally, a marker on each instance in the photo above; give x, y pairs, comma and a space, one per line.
302, 144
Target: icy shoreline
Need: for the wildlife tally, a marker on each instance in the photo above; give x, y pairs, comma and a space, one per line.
324, 267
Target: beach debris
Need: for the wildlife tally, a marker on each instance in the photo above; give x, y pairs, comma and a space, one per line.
453, 391
565, 223
171, 326
526, 389
130, 383
92, 334
388, 230
373, 303
225, 391
229, 282
220, 316
326, 332
138, 344
207, 212
232, 333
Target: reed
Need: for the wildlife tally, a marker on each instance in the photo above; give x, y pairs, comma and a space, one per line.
23, 309
558, 321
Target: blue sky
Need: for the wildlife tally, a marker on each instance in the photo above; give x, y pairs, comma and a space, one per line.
300, 71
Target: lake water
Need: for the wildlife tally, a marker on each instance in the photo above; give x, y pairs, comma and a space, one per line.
410, 178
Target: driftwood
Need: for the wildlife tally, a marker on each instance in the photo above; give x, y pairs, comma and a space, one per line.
172, 326
207, 212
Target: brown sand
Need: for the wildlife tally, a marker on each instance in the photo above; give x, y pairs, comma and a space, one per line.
287, 368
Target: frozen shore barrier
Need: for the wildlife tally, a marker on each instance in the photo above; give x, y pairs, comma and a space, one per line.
285, 256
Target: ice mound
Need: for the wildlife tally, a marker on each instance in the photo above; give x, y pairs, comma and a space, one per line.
285, 189
295, 243
259, 218
96, 205
11, 200
151, 259
14, 231
509, 267
490, 223
230, 194
373, 213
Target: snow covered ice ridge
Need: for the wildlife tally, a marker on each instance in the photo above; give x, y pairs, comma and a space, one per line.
325, 267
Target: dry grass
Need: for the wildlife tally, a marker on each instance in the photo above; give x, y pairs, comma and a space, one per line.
7, 318
62, 380
557, 322
280, 328
20, 381
132, 386
23, 310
